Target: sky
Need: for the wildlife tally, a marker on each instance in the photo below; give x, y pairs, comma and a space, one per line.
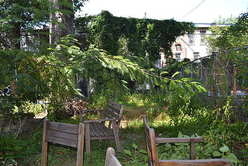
197, 11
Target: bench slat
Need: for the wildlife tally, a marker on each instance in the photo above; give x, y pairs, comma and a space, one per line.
62, 127
62, 141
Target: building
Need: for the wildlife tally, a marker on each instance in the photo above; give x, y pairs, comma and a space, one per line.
193, 46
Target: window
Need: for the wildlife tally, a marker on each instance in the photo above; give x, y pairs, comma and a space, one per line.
202, 33
191, 39
196, 55
178, 47
178, 56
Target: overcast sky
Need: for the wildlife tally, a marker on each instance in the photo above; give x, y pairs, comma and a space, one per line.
198, 11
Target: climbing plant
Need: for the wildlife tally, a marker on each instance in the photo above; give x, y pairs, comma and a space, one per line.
131, 36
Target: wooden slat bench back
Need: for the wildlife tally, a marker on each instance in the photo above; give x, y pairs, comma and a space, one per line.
64, 134
112, 111
98, 130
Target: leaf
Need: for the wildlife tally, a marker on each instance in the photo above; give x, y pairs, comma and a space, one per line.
164, 73
216, 154
175, 74
134, 146
231, 157
142, 151
224, 149
127, 152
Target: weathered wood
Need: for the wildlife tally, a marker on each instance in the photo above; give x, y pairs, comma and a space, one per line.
178, 140
192, 151
80, 145
64, 134
63, 127
210, 162
116, 135
111, 160
152, 141
61, 134
62, 141
87, 137
98, 130
44, 155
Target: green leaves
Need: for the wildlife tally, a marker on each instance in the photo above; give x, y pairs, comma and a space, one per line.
231, 42
224, 149
130, 36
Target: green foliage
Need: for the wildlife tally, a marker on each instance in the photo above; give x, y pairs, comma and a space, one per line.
133, 155
18, 16
232, 41
35, 76
207, 150
13, 148
28, 107
138, 37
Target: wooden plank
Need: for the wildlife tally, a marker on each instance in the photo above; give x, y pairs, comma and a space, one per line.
192, 151
100, 130
62, 141
151, 142
59, 134
177, 140
44, 155
87, 137
116, 135
210, 162
115, 105
80, 146
63, 127
102, 138
113, 110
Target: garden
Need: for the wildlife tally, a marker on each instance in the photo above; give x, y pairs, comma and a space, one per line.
65, 70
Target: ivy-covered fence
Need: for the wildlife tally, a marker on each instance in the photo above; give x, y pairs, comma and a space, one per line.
132, 36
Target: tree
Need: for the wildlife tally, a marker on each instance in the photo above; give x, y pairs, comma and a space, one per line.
21, 18
24, 19
231, 41
62, 18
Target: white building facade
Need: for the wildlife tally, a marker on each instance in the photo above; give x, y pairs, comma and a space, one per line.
193, 46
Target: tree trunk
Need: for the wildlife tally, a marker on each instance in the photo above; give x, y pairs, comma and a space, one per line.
67, 18
61, 19
54, 19
16, 36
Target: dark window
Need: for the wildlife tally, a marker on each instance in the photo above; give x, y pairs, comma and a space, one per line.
196, 55
178, 47
202, 33
178, 56
191, 38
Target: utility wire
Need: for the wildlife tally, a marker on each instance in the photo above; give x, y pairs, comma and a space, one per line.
192, 10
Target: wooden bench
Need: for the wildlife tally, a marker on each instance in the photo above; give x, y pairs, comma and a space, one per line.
151, 144
99, 130
63, 134
111, 160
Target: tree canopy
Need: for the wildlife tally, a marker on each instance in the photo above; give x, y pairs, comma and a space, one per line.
232, 41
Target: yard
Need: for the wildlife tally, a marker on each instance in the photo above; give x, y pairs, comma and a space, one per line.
221, 138
65, 67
